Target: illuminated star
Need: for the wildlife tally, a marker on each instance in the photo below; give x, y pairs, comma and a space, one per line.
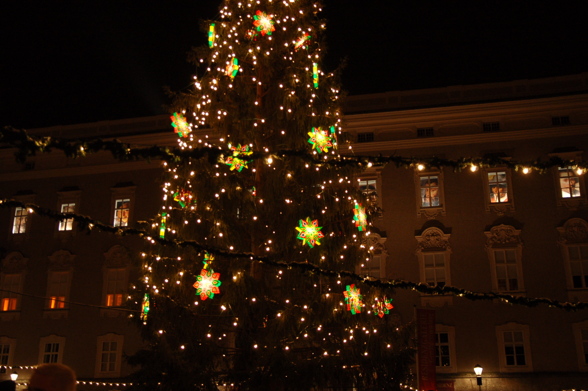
232, 68
181, 126
353, 299
207, 284
360, 217
301, 43
309, 232
321, 140
382, 307
263, 23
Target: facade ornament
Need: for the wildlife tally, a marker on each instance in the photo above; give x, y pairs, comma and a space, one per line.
13, 263
61, 260
433, 239
503, 236
574, 230
117, 257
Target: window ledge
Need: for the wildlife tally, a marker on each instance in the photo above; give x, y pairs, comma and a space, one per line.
6, 316
61, 313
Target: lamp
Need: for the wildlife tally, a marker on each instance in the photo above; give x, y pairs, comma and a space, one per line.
478, 371
13, 376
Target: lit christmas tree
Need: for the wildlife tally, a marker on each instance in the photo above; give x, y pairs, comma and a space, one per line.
224, 308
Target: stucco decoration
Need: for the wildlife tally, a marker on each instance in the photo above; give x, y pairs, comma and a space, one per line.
117, 257
61, 260
375, 243
503, 236
574, 230
433, 239
14, 262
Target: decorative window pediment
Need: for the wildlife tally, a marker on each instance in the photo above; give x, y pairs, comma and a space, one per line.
14, 262
503, 236
433, 239
61, 260
574, 230
117, 257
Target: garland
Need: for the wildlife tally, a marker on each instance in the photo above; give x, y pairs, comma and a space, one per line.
27, 145
86, 223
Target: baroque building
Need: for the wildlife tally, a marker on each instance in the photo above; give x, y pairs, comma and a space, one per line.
492, 229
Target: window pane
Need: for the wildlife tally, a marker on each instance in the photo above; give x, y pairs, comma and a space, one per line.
429, 190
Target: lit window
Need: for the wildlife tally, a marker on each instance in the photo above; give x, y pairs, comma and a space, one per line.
429, 191
58, 284
67, 224
514, 348
11, 285
19, 225
116, 286
442, 351
498, 187
121, 212
569, 183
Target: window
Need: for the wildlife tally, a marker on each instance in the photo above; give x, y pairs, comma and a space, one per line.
109, 355
433, 253
504, 248
434, 268
67, 224
505, 263
498, 191
561, 120
442, 356
514, 348
425, 132
116, 286
578, 260
19, 225
573, 243
58, 284
365, 137
6, 352
369, 187
429, 191
51, 349
569, 183
11, 288
581, 339
375, 266
497, 187
430, 196
491, 126
121, 212
123, 199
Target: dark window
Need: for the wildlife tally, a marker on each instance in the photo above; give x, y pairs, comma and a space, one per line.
425, 132
365, 137
491, 126
559, 121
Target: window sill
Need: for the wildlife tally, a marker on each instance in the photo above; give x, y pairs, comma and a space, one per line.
6, 316
61, 313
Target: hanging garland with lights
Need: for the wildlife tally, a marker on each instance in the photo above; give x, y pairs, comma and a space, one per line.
86, 223
30, 146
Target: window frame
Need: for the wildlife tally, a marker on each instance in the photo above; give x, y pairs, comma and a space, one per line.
433, 241
58, 291
119, 193
573, 233
501, 206
24, 226
120, 287
109, 338
373, 196
55, 340
376, 266
512, 327
505, 238
450, 331
432, 211
15, 288
7, 359
581, 344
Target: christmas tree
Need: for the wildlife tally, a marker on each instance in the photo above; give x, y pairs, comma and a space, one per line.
228, 303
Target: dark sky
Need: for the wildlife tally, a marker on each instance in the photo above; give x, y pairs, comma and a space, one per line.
65, 62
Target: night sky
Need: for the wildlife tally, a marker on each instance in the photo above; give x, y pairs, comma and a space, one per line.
66, 62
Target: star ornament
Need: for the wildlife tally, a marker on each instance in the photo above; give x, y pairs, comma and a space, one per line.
236, 162
181, 126
360, 218
309, 232
232, 68
184, 197
301, 42
322, 140
382, 307
207, 284
353, 299
263, 23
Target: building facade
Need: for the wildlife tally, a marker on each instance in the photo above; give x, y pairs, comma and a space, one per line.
494, 229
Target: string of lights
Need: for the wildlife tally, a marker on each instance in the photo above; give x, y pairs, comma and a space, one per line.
86, 223
28, 145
